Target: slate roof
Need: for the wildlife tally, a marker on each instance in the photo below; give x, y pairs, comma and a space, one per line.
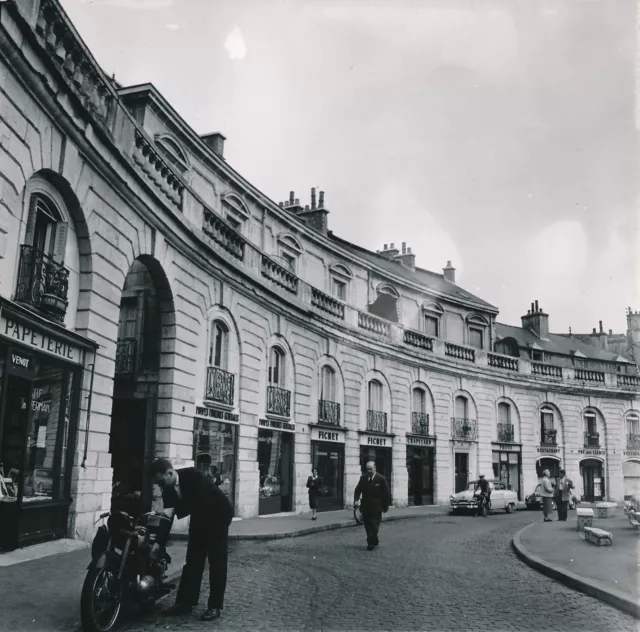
558, 343
431, 280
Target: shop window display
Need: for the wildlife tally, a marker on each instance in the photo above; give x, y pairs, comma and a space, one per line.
274, 462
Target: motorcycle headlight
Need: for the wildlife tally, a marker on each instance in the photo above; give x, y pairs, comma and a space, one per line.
143, 536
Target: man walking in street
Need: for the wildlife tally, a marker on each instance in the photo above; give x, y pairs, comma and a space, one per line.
375, 501
563, 495
189, 492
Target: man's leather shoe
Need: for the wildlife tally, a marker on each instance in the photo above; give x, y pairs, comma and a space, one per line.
177, 610
211, 614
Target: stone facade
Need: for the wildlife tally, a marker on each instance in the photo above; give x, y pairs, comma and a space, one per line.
133, 182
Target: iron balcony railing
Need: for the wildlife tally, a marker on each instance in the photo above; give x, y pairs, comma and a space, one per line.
462, 428
278, 401
549, 437
126, 356
376, 421
420, 423
505, 433
220, 386
43, 283
633, 441
328, 413
592, 439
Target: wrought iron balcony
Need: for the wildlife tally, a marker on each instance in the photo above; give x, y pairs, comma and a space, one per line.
549, 437
126, 356
278, 401
220, 386
420, 423
328, 413
592, 439
464, 429
505, 433
633, 441
43, 283
376, 421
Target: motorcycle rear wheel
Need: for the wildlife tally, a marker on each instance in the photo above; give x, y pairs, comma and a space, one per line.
96, 587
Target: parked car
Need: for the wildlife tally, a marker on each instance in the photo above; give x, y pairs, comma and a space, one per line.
534, 501
501, 498
39, 483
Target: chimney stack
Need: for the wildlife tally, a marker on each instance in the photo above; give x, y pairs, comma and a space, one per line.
601, 329
406, 258
611, 332
537, 322
321, 202
314, 216
449, 273
215, 141
313, 198
594, 331
390, 252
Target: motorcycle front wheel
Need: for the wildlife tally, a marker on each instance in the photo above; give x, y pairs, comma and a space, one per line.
100, 602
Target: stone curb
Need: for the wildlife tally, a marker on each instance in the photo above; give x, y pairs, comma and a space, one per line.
591, 587
344, 524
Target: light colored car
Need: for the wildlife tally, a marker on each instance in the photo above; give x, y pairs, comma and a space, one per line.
39, 483
501, 498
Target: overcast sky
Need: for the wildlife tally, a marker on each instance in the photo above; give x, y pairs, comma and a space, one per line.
500, 134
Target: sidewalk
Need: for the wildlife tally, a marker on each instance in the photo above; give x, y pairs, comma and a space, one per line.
295, 525
610, 574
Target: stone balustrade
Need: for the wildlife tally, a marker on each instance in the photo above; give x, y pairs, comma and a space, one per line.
80, 71
630, 382
585, 375
417, 339
502, 361
546, 370
460, 353
157, 169
279, 275
375, 325
327, 303
227, 238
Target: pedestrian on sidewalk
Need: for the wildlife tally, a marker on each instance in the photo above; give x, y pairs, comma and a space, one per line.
546, 493
313, 485
375, 501
189, 492
564, 485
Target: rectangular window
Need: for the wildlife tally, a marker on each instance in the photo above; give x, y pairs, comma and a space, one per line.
431, 324
633, 425
461, 408
418, 401
233, 222
276, 368
339, 289
375, 396
327, 386
547, 421
590, 421
537, 356
504, 414
476, 337
289, 262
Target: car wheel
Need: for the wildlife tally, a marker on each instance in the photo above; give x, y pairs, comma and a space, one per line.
510, 508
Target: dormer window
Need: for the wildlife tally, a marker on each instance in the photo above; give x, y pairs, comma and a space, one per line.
477, 328
235, 211
386, 304
290, 251
340, 278
432, 319
172, 150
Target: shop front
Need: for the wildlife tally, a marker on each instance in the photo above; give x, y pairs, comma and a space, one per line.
40, 379
507, 465
421, 456
592, 471
379, 449
327, 456
215, 441
275, 464
631, 477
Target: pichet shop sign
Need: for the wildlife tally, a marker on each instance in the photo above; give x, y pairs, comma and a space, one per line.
38, 340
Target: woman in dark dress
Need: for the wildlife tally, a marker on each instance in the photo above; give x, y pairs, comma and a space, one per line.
313, 484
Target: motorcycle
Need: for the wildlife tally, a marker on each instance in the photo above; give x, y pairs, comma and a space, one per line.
125, 568
483, 505
632, 511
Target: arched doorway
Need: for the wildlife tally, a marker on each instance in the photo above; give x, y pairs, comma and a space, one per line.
593, 483
145, 305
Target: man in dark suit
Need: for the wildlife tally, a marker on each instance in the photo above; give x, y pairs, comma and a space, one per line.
189, 492
375, 501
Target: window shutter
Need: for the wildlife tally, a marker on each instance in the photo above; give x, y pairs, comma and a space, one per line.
31, 220
61, 241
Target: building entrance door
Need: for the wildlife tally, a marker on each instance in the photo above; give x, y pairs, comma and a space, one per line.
462, 471
592, 480
420, 475
381, 457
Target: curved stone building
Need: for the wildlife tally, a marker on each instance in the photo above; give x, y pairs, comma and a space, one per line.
153, 302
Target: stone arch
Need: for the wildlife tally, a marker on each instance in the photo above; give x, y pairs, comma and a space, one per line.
76, 253
430, 405
515, 415
173, 149
550, 406
237, 204
472, 410
375, 375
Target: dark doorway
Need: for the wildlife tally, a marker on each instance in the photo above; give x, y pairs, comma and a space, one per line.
462, 471
275, 460
328, 458
507, 468
592, 480
420, 462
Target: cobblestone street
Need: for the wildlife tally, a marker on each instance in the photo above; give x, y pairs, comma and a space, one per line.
444, 573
